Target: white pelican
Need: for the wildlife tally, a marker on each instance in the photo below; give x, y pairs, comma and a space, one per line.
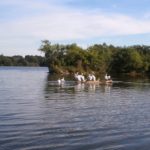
82, 77
93, 78
90, 77
79, 77
107, 77
61, 81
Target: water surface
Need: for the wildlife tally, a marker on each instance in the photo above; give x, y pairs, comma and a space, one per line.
36, 113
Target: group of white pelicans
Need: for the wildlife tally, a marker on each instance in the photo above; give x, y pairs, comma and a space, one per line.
91, 79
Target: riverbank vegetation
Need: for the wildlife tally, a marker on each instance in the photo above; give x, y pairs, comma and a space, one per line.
98, 58
22, 61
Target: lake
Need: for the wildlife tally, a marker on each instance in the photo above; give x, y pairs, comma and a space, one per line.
38, 114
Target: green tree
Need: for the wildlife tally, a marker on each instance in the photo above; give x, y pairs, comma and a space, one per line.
54, 54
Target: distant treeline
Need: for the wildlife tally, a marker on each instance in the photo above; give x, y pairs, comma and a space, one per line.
100, 58
18, 60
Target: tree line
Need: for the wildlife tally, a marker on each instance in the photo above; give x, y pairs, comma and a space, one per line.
18, 60
100, 58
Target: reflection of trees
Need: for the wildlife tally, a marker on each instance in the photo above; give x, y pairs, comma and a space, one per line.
52, 86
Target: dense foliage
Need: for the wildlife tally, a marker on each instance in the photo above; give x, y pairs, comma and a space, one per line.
22, 61
98, 58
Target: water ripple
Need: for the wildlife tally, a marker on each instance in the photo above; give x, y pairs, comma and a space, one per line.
37, 114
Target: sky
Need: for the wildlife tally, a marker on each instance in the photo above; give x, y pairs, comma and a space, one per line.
25, 23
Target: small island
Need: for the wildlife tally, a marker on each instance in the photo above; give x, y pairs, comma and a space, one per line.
98, 58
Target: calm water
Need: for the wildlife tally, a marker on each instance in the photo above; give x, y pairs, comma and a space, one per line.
37, 114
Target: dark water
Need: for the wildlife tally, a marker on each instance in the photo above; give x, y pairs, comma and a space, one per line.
37, 114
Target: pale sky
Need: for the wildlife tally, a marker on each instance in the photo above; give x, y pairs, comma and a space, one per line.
24, 23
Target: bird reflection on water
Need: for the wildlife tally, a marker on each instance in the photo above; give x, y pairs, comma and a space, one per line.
71, 86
